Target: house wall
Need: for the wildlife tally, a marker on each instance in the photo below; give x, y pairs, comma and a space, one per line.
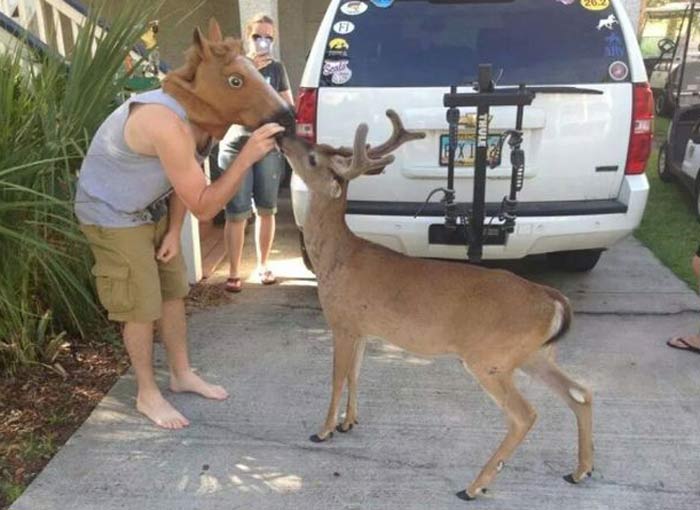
178, 19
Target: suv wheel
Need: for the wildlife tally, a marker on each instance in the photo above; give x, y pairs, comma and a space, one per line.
304, 253
577, 261
660, 105
662, 164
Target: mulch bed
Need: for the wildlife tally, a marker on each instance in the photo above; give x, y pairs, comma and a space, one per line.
40, 410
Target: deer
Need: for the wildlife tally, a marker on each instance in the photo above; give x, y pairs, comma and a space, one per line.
492, 320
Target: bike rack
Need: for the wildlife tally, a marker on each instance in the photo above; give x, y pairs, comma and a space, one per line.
467, 227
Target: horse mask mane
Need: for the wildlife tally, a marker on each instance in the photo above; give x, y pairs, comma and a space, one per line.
200, 85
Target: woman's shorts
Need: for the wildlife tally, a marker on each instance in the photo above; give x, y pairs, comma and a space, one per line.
260, 186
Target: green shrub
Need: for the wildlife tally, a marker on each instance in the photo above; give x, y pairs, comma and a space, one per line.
49, 111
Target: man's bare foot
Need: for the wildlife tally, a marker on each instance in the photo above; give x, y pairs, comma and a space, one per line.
160, 412
192, 383
685, 343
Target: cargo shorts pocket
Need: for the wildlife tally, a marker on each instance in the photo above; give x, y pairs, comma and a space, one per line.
113, 288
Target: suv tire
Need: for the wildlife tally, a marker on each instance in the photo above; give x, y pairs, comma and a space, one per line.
661, 105
576, 261
662, 167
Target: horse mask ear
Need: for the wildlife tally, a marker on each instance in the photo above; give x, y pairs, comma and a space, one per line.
201, 44
215, 34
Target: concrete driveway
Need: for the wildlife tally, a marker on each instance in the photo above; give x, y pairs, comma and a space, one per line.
426, 427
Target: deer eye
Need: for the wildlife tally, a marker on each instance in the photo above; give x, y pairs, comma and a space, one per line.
312, 159
235, 81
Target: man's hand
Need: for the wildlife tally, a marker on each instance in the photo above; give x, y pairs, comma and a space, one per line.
169, 248
260, 143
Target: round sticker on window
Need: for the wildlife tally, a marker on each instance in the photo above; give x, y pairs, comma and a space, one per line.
387, 3
353, 8
330, 67
595, 5
342, 76
618, 71
343, 27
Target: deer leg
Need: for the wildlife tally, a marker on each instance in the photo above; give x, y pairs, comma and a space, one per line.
344, 347
521, 417
353, 374
580, 401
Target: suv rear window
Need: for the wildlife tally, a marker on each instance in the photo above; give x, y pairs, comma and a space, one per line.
438, 43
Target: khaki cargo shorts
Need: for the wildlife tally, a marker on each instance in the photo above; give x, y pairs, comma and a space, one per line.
131, 283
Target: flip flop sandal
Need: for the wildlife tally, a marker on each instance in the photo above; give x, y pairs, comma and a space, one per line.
233, 285
267, 277
684, 346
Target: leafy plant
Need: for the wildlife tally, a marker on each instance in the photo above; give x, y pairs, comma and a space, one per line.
49, 112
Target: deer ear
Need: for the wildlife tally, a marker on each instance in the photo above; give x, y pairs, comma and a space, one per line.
335, 190
215, 34
201, 44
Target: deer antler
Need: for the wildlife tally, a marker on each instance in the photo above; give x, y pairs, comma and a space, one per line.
398, 137
362, 159
360, 163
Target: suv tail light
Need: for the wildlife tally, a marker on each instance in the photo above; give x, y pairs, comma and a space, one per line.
306, 114
642, 127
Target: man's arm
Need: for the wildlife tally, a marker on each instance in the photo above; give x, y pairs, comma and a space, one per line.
176, 214
174, 145
170, 245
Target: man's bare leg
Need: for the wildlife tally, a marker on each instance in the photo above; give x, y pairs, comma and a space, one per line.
174, 332
138, 338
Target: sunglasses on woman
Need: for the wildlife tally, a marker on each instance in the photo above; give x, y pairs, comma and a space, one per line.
258, 37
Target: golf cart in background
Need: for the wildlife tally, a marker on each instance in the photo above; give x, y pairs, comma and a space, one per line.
670, 44
679, 155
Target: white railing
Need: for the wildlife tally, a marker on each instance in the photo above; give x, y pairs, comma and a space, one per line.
55, 22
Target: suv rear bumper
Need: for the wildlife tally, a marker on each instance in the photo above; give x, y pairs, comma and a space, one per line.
542, 227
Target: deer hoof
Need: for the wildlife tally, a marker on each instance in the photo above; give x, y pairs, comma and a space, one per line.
464, 495
340, 429
570, 478
317, 439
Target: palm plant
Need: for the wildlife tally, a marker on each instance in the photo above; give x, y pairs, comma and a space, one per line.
49, 111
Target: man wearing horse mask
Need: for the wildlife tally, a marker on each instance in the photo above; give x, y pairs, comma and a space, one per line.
142, 173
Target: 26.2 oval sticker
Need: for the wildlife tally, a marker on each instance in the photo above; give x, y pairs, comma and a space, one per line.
595, 5
353, 8
343, 27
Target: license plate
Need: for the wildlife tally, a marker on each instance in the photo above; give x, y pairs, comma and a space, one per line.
466, 148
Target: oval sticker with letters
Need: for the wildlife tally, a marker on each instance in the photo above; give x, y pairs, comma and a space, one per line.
595, 5
353, 8
343, 27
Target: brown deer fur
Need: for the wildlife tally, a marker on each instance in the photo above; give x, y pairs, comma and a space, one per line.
493, 320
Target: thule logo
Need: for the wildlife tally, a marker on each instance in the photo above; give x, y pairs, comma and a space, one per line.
482, 130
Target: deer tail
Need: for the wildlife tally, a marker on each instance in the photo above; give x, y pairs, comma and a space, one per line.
562, 317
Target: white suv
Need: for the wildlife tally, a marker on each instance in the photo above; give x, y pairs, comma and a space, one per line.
587, 134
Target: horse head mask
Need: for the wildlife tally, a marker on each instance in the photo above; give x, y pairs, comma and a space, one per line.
219, 86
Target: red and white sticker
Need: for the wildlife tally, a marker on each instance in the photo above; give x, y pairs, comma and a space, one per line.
353, 8
330, 67
618, 70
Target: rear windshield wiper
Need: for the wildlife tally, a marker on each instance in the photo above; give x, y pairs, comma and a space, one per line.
556, 89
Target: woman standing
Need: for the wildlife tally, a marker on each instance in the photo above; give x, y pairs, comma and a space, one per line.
261, 184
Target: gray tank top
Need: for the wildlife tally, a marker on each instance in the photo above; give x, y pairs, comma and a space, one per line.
116, 185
